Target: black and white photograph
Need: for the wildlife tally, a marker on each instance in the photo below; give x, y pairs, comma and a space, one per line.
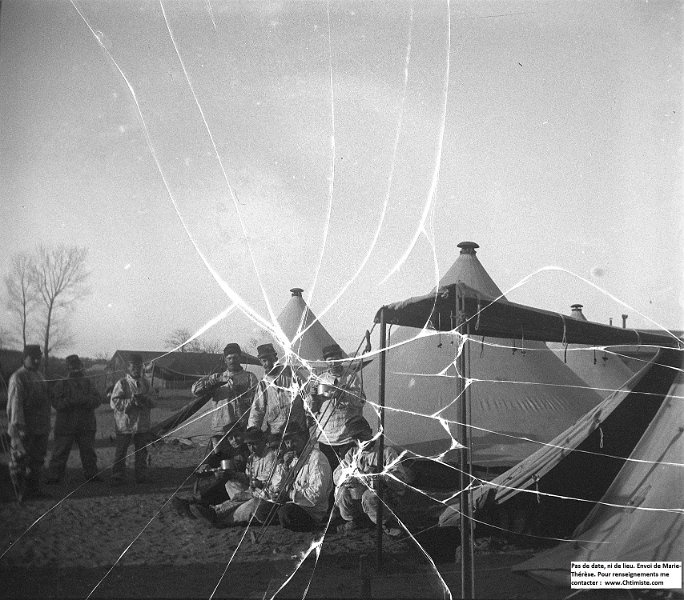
322, 299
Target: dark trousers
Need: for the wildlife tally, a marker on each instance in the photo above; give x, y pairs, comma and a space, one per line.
295, 518
25, 466
85, 440
123, 440
213, 492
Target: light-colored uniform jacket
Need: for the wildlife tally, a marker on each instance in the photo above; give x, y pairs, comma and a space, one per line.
28, 404
312, 484
357, 463
232, 394
131, 400
279, 399
335, 412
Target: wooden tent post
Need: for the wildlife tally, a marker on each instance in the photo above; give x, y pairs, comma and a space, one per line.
380, 449
467, 566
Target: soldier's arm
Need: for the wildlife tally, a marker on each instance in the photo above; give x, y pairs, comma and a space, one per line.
120, 400
209, 384
258, 410
16, 395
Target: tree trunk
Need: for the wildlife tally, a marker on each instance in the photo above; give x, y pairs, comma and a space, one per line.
47, 340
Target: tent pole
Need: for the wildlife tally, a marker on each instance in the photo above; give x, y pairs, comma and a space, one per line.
380, 449
467, 582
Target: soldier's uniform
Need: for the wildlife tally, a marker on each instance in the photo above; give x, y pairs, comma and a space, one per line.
75, 400
132, 402
28, 413
232, 393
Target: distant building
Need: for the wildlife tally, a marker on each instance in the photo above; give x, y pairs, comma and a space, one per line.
167, 370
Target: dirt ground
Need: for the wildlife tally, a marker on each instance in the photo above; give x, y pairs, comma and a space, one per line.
127, 542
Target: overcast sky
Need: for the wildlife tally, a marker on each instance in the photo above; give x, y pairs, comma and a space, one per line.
209, 152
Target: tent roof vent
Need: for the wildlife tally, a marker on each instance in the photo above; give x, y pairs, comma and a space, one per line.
468, 247
296, 291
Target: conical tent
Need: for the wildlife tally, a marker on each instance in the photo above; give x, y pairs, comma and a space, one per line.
303, 329
602, 370
640, 517
519, 396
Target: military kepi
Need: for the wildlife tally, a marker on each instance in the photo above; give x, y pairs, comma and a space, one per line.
232, 348
73, 360
32, 350
266, 350
332, 350
135, 359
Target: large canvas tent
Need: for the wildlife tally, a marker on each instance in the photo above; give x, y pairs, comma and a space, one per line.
459, 308
521, 393
555, 487
640, 516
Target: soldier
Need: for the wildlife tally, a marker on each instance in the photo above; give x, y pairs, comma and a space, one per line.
335, 402
304, 482
132, 401
28, 413
75, 400
249, 493
278, 398
356, 480
231, 391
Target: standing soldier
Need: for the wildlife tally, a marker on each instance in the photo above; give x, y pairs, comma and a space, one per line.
231, 391
337, 401
28, 413
132, 403
75, 400
278, 399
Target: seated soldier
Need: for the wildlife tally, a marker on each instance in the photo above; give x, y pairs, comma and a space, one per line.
303, 482
230, 448
356, 480
248, 492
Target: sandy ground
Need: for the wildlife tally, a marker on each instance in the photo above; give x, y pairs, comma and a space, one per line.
104, 541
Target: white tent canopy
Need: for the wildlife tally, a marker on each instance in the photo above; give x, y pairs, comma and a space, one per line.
519, 395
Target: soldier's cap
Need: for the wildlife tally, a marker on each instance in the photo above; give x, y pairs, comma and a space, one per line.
359, 428
266, 350
253, 435
73, 361
293, 429
232, 348
332, 350
135, 359
32, 350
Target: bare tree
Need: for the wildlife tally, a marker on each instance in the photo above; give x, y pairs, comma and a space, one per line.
21, 294
59, 277
211, 346
179, 337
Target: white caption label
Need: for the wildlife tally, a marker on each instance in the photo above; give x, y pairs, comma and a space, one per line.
617, 574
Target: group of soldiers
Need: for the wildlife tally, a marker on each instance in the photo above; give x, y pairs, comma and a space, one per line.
29, 402
288, 448
291, 447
